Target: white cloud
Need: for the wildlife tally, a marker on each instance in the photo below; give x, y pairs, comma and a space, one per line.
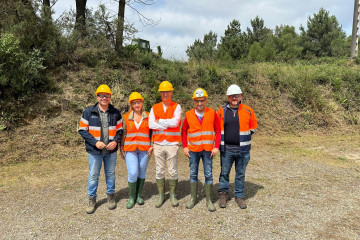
183, 21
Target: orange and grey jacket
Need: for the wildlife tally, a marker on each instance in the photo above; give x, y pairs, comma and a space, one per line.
247, 126
90, 127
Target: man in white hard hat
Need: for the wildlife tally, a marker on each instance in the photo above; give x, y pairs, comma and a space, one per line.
238, 122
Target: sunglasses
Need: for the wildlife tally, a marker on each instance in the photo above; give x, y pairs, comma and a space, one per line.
103, 96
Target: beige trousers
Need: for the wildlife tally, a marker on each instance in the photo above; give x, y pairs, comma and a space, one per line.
165, 154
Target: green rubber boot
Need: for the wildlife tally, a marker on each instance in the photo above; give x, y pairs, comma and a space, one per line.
174, 201
132, 193
208, 193
161, 188
139, 188
193, 191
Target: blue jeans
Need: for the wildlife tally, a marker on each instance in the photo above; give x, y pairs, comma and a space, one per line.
194, 166
241, 161
95, 162
136, 163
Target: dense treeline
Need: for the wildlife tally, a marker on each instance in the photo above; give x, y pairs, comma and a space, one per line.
323, 37
306, 73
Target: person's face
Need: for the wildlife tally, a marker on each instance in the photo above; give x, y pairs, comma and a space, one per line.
103, 99
166, 96
137, 105
200, 104
234, 100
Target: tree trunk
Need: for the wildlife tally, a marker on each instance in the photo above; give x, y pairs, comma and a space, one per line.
120, 27
80, 16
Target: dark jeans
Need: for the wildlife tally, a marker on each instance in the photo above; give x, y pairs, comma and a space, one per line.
241, 161
194, 166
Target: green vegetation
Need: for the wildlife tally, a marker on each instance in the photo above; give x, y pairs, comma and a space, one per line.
293, 81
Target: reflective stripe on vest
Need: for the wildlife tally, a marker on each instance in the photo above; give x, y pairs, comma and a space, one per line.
136, 138
169, 134
201, 136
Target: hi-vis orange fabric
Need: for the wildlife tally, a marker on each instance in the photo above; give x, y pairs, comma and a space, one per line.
170, 134
201, 136
136, 138
247, 123
95, 131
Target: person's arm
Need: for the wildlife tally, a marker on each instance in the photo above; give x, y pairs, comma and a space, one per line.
184, 129
152, 122
122, 153
174, 121
84, 130
253, 122
217, 129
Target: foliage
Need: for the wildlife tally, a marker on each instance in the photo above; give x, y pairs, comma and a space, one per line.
286, 42
20, 74
259, 33
203, 49
234, 42
322, 30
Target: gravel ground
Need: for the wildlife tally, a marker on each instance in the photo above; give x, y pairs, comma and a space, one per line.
294, 190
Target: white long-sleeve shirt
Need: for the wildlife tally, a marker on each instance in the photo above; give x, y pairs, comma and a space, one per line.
163, 124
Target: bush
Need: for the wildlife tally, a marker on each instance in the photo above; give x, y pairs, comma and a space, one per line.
20, 74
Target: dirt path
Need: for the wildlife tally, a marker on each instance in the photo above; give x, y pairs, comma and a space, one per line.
297, 187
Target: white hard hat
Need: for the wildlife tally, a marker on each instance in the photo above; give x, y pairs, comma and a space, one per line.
233, 89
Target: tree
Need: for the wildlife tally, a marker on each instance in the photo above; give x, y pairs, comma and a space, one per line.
234, 43
205, 49
80, 16
121, 19
322, 30
259, 33
287, 43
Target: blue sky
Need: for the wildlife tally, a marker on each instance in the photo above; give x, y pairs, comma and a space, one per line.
183, 21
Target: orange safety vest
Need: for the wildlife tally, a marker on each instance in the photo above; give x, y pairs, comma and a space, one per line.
137, 138
169, 134
201, 136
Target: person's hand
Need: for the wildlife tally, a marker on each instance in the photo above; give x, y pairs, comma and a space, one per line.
111, 146
100, 145
150, 151
186, 151
214, 152
122, 153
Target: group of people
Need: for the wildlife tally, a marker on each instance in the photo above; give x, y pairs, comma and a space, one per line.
138, 134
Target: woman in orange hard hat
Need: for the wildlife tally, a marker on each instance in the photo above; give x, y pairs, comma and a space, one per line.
136, 148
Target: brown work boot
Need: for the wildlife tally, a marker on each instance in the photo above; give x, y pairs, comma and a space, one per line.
111, 201
222, 199
91, 206
240, 202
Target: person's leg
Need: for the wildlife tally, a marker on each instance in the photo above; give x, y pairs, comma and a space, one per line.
241, 163
109, 168
132, 164
172, 159
226, 159
160, 155
143, 163
95, 162
194, 160
207, 163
